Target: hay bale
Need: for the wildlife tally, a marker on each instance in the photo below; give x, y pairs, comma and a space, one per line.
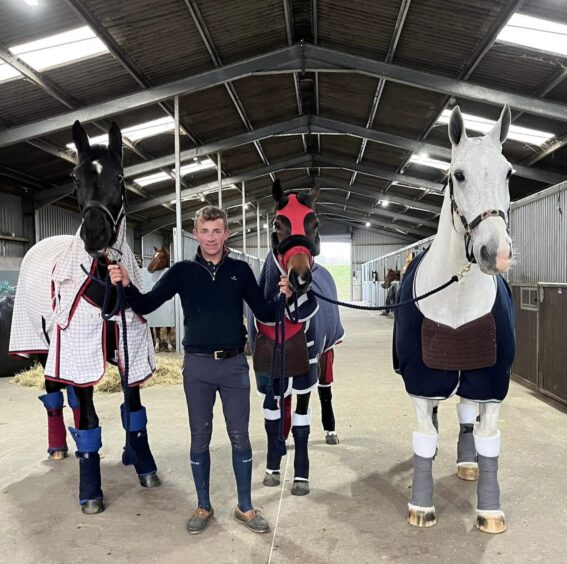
168, 373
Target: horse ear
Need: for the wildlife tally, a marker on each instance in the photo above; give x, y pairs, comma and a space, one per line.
313, 195
277, 192
499, 133
81, 139
457, 126
115, 140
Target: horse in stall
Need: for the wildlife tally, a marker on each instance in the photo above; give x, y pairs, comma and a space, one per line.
310, 337
58, 314
462, 339
391, 283
159, 318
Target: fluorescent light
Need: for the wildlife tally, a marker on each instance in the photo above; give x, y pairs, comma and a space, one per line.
385, 203
32, 3
246, 206
535, 33
367, 224
265, 225
425, 160
483, 125
60, 49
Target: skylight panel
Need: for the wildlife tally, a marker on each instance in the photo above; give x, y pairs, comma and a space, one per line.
426, 160
136, 132
60, 49
7, 72
535, 33
483, 125
186, 169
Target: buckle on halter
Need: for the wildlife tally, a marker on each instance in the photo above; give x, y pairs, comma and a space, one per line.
217, 355
464, 271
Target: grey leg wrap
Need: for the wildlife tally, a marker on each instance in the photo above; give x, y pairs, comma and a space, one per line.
488, 490
466, 451
422, 485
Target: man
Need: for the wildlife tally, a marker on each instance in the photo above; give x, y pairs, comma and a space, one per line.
212, 288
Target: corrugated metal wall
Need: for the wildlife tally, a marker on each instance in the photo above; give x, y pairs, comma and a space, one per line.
368, 245
251, 244
539, 234
12, 224
148, 243
53, 220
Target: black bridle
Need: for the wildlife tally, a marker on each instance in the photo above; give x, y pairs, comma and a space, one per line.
475, 222
115, 222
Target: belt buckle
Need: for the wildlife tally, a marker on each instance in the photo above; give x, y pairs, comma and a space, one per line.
217, 355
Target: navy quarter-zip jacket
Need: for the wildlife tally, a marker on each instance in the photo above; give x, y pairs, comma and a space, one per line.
212, 302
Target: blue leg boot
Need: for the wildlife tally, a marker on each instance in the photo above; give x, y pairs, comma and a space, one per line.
144, 461
301, 425
56, 434
89, 442
274, 457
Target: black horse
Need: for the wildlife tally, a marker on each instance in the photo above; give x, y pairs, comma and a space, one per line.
101, 195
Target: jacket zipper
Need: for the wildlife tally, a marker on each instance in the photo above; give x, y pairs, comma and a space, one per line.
213, 275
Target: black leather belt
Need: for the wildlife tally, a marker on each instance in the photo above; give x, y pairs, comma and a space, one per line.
219, 355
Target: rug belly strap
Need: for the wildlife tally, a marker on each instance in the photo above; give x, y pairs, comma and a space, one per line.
469, 347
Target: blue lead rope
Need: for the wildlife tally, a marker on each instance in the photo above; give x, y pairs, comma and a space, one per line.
129, 455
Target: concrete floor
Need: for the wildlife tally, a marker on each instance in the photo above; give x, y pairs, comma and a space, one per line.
359, 489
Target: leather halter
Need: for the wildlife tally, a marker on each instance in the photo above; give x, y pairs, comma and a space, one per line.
94, 204
475, 222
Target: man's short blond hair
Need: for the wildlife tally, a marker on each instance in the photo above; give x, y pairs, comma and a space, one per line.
208, 213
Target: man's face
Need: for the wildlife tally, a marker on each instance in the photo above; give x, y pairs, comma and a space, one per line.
211, 235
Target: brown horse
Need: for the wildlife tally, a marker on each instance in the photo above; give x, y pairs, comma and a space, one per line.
159, 262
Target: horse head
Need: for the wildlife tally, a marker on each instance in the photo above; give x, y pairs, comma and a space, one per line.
160, 260
479, 193
391, 276
295, 236
99, 181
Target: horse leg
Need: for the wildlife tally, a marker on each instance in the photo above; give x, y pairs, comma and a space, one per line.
56, 435
467, 465
326, 396
169, 343
489, 515
435, 416
143, 459
156, 332
301, 425
89, 441
272, 420
421, 510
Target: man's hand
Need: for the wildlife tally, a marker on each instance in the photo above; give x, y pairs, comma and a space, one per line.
118, 273
284, 287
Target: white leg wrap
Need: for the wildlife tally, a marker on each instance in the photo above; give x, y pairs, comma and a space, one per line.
301, 420
488, 446
424, 445
466, 412
271, 414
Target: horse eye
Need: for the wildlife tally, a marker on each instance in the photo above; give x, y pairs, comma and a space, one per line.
509, 174
459, 176
120, 177
277, 225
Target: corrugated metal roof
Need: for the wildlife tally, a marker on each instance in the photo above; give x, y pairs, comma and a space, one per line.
164, 43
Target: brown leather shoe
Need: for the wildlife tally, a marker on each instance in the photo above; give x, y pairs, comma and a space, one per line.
199, 520
252, 519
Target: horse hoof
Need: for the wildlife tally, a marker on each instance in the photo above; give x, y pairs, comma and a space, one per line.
332, 439
421, 516
92, 507
150, 481
157, 349
492, 522
467, 471
169, 348
58, 455
300, 488
271, 480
